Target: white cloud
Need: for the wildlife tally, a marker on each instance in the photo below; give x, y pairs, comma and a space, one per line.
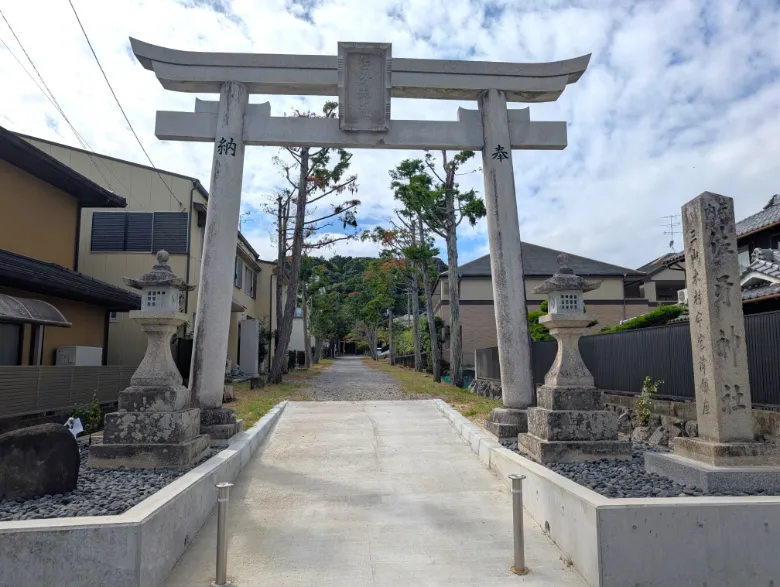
681, 96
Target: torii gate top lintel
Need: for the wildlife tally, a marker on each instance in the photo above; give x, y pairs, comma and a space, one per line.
317, 75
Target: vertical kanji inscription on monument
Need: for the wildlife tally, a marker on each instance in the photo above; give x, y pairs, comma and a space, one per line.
716, 319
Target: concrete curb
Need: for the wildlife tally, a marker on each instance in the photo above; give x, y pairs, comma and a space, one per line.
655, 542
135, 549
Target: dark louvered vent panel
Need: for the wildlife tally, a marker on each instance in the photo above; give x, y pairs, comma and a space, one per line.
170, 232
139, 232
108, 231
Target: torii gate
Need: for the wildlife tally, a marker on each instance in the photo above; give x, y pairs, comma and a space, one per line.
365, 77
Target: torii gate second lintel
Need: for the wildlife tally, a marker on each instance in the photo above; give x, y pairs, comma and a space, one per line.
365, 77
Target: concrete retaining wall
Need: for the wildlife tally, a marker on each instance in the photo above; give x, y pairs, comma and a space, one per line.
654, 542
135, 549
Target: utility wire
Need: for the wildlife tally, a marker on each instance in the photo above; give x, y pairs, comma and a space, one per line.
50, 96
105, 77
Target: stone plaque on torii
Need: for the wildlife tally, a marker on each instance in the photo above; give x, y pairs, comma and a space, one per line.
365, 77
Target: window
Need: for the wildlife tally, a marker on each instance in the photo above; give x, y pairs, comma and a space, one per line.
112, 316
140, 232
155, 298
10, 343
250, 282
569, 302
238, 272
744, 258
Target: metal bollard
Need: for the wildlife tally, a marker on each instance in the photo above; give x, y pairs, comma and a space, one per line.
519, 567
223, 496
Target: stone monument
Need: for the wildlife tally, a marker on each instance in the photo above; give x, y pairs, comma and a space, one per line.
364, 76
155, 426
568, 424
725, 456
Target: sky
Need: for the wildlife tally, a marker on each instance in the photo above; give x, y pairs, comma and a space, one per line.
681, 96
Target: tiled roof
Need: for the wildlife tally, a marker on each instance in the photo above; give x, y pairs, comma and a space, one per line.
761, 291
543, 262
44, 278
768, 216
661, 262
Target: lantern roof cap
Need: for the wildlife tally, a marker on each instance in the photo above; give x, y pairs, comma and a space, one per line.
564, 279
160, 275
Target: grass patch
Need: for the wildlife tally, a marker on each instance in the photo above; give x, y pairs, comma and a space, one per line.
253, 404
421, 385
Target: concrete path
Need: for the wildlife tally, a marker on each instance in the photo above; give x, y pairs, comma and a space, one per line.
353, 494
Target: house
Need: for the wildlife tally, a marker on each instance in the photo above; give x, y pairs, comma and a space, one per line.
609, 304
41, 201
54, 320
758, 239
165, 210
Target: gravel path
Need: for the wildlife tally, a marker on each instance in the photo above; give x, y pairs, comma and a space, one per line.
99, 492
349, 379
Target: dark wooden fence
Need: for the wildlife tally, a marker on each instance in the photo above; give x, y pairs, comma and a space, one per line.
620, 361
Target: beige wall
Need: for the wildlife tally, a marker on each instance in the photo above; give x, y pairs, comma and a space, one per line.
37, 219
88, 324
145, 192
481, 288
669, 275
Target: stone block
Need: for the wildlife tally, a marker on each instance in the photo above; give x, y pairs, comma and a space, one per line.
691, 429
572, 425
641, 434
160, 399
39, 460
216, 416
222, 434
624, 423
151, 427
502, 431
545, 451
228, 395
183, 454
574, 398
663, 434
712, 479
727, 453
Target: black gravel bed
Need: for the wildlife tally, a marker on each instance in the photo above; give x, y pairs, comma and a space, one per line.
627, 478
99, 492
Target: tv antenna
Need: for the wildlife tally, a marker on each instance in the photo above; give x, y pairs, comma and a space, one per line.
241, 219
671, 223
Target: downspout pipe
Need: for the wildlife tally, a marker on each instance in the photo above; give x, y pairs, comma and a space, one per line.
189, 242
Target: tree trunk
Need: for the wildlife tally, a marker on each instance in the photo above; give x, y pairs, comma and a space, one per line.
435, 349
390, 335
371, 337
285, 329
306, 334
456, 343
317, 350
416, 327
280, 253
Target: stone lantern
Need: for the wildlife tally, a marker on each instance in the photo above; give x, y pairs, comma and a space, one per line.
568, 424
154, 425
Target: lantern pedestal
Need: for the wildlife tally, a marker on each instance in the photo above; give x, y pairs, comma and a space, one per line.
568, 424
154, 426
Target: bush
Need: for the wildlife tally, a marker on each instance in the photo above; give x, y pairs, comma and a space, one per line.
89, 415
644, 405
657, 317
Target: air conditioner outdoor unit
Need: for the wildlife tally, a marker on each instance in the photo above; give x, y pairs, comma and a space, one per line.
682, 296
79, 356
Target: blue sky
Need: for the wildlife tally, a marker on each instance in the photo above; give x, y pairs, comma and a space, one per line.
681, 96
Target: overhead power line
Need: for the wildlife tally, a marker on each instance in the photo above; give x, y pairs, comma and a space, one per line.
52, 98
118, 103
